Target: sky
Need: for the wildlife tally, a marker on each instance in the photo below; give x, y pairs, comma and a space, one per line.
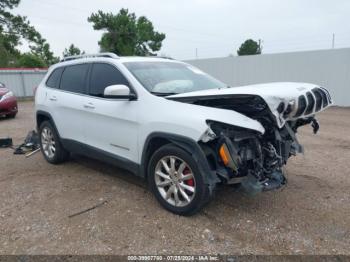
215, 28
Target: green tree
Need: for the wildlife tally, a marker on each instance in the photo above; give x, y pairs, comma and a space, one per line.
249, 47
125, 34
8, 56
42, 50
14, 28
30, 60
72, 50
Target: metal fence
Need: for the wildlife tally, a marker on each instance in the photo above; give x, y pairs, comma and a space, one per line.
328, 68
22, 82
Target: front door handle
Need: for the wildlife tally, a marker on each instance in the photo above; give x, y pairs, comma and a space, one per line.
53, 98
89, 106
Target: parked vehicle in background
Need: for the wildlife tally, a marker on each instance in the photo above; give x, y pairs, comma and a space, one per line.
176, 126
8, 102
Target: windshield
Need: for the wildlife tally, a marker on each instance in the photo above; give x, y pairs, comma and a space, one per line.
166, 78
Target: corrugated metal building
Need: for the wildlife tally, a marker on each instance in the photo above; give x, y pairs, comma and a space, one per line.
328, 68
21, 81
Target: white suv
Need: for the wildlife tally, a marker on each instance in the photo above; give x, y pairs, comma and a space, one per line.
169, 122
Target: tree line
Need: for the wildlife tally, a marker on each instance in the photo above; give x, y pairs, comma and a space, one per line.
123, 33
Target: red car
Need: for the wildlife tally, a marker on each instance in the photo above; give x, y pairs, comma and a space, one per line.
8, 102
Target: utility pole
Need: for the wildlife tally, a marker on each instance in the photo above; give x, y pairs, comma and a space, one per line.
196, 53
333, 41
260, 45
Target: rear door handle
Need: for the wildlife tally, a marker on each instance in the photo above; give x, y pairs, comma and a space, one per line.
89, 106
53, 98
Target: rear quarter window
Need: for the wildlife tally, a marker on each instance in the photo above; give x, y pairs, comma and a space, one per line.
74, 78
54, 79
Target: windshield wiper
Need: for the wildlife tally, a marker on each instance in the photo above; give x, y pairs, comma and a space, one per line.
163, 94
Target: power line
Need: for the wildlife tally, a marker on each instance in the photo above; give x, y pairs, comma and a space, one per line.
192, 32
66, 7
59, 21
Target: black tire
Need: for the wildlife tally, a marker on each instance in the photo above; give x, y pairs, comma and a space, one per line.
202, 195
60, 155
11, 116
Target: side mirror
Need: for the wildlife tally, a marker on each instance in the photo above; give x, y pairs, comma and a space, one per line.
118, 91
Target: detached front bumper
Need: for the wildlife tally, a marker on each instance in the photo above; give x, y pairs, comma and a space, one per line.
253, 186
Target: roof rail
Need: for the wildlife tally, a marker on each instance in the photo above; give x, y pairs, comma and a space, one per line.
164, 57
68, 58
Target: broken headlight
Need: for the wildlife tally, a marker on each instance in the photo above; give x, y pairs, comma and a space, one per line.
235, 132
291, 106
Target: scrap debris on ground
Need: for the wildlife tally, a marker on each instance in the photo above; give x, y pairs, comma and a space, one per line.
88, 209
29, 147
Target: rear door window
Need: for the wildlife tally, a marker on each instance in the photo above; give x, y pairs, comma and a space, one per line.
74, 78
103, 75
54, 79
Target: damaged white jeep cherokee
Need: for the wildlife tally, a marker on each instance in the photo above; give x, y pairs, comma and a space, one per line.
182, 130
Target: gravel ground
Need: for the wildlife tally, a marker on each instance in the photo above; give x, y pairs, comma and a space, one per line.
309, 216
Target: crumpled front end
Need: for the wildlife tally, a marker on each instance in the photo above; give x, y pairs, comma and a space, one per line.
251, 159
285, 101
256, 160
308, 103
312, 102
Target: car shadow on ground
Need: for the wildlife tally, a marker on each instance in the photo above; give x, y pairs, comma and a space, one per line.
109, 169
4, 118
233, 198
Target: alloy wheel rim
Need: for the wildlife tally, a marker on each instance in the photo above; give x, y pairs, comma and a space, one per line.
48, 142
175, 181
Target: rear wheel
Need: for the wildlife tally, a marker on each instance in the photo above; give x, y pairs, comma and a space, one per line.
176, 181
50, 144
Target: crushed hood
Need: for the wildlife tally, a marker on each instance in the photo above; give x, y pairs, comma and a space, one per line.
286, 100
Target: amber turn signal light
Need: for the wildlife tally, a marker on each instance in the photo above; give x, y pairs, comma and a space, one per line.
224, 154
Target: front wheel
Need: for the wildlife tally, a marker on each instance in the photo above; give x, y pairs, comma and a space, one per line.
11, 116
175, 180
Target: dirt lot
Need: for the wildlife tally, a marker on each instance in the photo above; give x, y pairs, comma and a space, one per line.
309, 216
